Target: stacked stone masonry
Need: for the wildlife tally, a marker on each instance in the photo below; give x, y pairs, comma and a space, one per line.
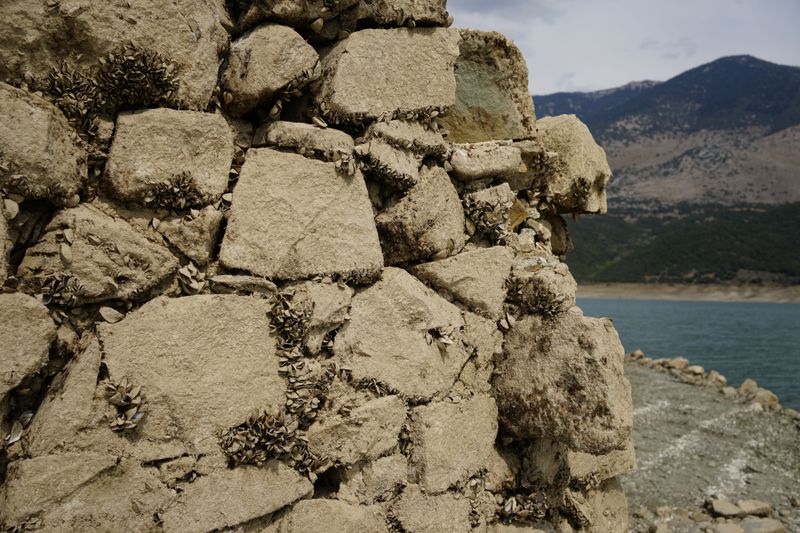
294, 267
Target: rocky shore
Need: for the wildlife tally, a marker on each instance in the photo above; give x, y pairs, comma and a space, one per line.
710, 457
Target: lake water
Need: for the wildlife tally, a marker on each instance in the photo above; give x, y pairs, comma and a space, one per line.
739, 340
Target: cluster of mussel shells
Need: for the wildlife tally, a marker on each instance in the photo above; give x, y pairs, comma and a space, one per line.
491, 220
128, 401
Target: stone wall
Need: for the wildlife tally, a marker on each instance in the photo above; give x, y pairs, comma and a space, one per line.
294, 267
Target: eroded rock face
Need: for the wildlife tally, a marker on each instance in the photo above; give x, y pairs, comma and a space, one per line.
34, 37
5, 245
426, 222
374, 481
493, 101
412, 76
485, 160
564, 380
396, 167
327, 143
40, 155
476, 278
331, 516
264, 62
91, 257
295, 218
385, 339
452, 441
204, 363
422, 513
157, 150
409, 135
542, 285
294, 13
26, 332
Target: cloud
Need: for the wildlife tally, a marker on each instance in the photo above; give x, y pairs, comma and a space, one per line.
683, 47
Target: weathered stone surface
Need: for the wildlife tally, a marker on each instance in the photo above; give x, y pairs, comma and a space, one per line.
327, 143
228, 497
560, 241
265, 61
40, 156
586, 468
579, 173
542, 285
452, 441
194, 237
368, 432
485, 340
485, 160
5, 244
755, 507
402, 12
385, 338
204, 364
762, 525
565, 381
294, 13
489, 211
412, 75
608, 508
82, 492
409, 135
476, 278
374, 481
724, 508
493, 100
26, 332
106, 259
155, 146
68, 408
422, 513
396, 167
35, 37
427, 221
228, 284
330, 516
295, 218
330, 302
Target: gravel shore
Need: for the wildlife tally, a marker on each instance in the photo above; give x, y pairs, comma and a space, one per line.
694, 443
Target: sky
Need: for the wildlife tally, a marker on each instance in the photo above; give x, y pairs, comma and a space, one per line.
585, 45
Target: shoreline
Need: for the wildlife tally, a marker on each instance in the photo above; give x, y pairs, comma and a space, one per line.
697, 293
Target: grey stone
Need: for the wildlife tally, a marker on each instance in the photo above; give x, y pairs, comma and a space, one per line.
493, 101
294, 13
755, 507
411, 136
412, 76
401, 12
367, 433
26, 333
153, 147
725, 509
194, 237
423, 513
330, 516
428, 221
385, 338
107, 259
396, 167
331, 302
542, 285
230, 284
327, 143
378, 480
485, 160
565, 382
35, 37
586, 468
40, 156
762, 525
476, 278
204, 364
452, 441
228, 497
295, 218
490, 210
5, 244
265, 61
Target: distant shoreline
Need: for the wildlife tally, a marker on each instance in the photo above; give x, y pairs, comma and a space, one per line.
698, 293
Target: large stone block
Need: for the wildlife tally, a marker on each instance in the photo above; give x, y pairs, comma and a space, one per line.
452, 441
265, 61
422, 513
411, 76
204, 363
330, 516
428, 221
485, 160
326, 143
86, 256
386, 338
36, 36
295, 218
26, 332
378, 480
493, 101
40, 154
563, 379
577, 173
542, 284
476, 278
152, 148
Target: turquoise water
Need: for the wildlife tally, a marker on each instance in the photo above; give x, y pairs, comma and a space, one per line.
739, 340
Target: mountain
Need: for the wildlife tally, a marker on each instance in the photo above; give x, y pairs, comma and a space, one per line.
725, 133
